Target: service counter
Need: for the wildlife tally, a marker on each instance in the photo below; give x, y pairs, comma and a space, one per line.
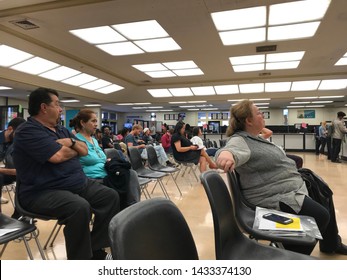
301, 142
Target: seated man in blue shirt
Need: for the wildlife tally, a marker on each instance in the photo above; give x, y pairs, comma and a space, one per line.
52, 181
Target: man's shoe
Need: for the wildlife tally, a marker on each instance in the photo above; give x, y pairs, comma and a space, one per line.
341, 249
4, 200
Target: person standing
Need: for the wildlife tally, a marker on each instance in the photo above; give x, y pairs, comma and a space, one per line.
339, 131
52, 181
323, 132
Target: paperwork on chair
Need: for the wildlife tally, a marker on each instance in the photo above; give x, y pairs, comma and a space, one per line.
301, 225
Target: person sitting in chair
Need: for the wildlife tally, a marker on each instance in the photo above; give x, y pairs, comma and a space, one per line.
269, 178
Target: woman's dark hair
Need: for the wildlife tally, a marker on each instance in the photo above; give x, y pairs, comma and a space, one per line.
178, 127
39, 96
83, 115
124, 131
196, 131
238, 115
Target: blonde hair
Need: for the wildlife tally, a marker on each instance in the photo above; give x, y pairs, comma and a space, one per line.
238, 115
137, 126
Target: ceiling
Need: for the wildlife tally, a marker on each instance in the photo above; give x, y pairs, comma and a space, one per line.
189, 23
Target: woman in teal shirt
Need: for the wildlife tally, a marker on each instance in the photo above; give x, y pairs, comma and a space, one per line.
94, 163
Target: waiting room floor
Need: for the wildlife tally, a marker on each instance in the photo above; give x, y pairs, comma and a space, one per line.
194, 206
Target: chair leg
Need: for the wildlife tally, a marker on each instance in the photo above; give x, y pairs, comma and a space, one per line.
173, 178
36, 237
54, 231
26, 243
3, 249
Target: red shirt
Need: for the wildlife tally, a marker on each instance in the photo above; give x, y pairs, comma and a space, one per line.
166, 141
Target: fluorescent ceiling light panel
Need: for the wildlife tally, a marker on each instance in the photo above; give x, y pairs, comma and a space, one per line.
150, 67
207, 90
69, 101
35, 65
187, 106
245, 36
238, 19
141, 30
247, 59
314, 106
300, 102
142, 103
277, 87
227, 89
177, 102
248, 67
260, 99
118, 49
189, 72
295, 106
341, 61
282, 65
159, 92
10, 56
181, 91
210, 109
261, 104
336, 96
92, 105
125, 104
287, 56
99, 83
189, 64
155, 107
306, 97
305, 85
60, 73
263, 107
322, 102
333, 84
98, 35
251, 88
298, 11
109, 89
199, 109
158, 45
161, 74
4, 88
200, 101
293, 31
166, 110
79, 79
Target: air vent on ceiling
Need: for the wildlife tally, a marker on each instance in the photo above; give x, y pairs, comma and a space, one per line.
269, 48
263, 74
25, 24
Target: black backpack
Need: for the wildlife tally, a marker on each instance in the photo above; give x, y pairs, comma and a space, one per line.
118, 174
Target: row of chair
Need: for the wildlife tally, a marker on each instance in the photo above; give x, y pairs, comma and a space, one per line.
166, 235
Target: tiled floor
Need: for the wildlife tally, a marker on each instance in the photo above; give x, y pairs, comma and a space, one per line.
195, 207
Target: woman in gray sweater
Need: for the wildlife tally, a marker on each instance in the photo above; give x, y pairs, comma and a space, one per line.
268, 177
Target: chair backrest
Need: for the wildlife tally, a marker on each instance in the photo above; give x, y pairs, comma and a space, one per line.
152, 156
215, 144
112, 152
135, 158
153, 229
225, 226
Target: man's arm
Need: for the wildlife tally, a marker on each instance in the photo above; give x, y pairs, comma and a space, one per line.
68, 150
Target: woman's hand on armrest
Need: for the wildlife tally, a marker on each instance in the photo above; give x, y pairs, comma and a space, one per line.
226, 161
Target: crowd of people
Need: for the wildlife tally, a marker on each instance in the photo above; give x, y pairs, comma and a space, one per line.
63, 174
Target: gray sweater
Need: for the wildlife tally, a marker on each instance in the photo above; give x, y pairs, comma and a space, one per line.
267, 175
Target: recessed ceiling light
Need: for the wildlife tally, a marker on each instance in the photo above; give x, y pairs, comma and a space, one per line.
248, 67
293, 31
295, 106
327, 101
306, 97
69, 100
166, 110
199, 109
287, 56
109, 89
251, 88
10, 56
181, 91
336, 96
92, 105
282, 65
246, 36
241, 18
142, 103
277, 87
188, 72
341, 61
122, 48
260, 99
35, 65
247, 59
155, 107
60, 73
177, 102
315, 106
187, 106
79, 79
150, 67
159, 92
199, 101
333, 84
298, 11
98, 35
227, 89
124, 104
158, 45
210, 109
141, 30
189, 64
99, 83
261, 104
206, 90
4, 88
300, 102
161, 74
305, 85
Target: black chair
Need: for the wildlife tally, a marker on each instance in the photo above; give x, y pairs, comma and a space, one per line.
142, 171
230, 242
152, 229
215, 144
222, 142
31, 218
153, 164
23, 232
245, 215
